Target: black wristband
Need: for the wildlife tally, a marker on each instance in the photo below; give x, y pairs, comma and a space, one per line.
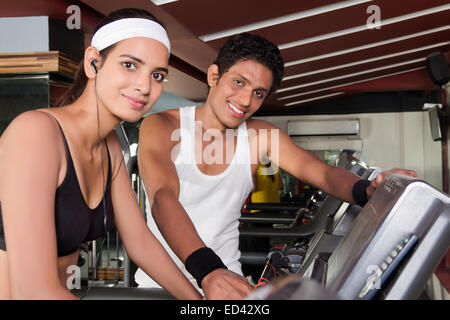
201, 262
359, 192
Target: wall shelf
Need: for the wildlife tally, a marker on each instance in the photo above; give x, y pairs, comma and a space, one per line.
38, 62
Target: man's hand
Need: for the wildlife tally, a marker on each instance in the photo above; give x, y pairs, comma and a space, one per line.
222, 284
379, 179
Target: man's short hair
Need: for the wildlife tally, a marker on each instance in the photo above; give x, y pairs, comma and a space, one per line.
247, 46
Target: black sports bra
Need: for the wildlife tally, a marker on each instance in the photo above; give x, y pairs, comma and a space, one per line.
75, 222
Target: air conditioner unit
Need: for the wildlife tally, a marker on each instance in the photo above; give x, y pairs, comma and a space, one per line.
338, 127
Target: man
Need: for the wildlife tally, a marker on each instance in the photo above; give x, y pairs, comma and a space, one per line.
197, 165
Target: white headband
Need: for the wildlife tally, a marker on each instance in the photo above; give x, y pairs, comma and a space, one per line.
129, 28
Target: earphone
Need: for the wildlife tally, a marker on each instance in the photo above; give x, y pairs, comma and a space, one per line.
93, 65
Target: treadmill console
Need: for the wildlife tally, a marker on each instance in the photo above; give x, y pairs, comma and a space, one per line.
385, 269
400, 235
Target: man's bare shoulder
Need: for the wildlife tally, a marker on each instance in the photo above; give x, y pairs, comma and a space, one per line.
258, 124
165, 121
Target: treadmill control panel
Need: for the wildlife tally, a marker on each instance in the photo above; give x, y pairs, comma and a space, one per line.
385, 269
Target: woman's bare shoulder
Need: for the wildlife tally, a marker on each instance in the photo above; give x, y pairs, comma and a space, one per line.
32, 133
31, 124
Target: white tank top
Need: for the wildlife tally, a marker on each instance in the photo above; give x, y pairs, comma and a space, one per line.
213, 203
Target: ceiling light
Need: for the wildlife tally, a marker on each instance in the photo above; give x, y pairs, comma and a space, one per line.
161, 2
312, 99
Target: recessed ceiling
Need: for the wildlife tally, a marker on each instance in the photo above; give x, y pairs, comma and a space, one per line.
331, 48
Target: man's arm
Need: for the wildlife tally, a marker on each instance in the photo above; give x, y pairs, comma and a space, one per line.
161, 182
163, 187
306, 167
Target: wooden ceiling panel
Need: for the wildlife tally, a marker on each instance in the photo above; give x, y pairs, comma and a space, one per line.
377, 51
328, 50
384, 63
274, 104
367, 36
206, 16
337, 20
417, 80
319, 88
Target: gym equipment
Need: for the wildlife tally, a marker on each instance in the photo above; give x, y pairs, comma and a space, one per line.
277, 206
294, 288
319, 209
128, 134
406, 225
394, 245
325, 241
289, 259
119, 293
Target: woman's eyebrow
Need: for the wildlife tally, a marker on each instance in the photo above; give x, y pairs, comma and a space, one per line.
143, 63
133, 58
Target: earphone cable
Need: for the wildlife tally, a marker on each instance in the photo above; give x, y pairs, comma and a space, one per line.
103, 196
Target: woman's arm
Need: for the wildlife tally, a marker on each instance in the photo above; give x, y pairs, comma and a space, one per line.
30, 166
141, 245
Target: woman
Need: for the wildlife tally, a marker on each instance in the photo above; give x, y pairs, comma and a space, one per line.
62, 181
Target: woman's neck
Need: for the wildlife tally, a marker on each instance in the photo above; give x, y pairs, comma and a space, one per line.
92, 120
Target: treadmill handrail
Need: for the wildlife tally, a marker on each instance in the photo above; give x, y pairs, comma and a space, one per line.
274, 206
266, 217
303, 230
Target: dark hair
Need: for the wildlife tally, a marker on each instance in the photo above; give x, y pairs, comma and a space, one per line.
247, 46
80, 81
